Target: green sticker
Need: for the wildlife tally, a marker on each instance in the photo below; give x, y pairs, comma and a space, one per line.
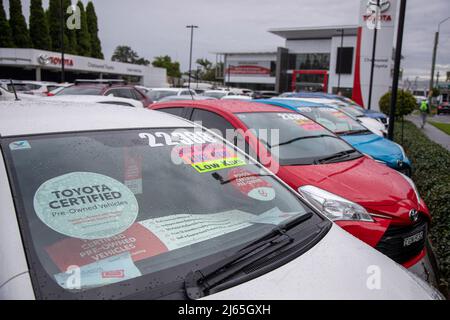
86, 205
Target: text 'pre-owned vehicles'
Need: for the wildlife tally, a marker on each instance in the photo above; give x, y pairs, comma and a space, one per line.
373, 202
105, 87
139, 204
332, 118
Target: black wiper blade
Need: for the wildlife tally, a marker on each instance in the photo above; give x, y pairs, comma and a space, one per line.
349, 133
339, 155
301, 138
202, 282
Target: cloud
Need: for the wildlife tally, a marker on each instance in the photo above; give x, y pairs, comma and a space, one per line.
158, 27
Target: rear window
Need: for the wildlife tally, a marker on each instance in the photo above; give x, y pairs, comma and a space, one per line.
157, 95
115, 214
80, 90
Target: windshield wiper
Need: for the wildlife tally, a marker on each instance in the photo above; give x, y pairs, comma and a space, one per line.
300, 138
338, 155
350, 133
203, 282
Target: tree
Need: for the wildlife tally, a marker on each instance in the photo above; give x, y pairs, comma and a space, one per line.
83, 36
71, 34
6, 39
92, 22
18, 25
39, 33
173, 68
204, 63
127, 55
406, 103
54, 25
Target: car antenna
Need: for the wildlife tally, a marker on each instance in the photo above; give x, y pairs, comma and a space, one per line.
14, 89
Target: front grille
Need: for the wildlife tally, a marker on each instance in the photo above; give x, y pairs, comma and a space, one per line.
402, 243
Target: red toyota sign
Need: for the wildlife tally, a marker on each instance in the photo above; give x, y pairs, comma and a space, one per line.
247, 69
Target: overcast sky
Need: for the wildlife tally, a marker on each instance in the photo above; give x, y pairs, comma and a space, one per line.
158, 27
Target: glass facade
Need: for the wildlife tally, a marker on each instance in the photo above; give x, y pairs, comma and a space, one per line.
312, 61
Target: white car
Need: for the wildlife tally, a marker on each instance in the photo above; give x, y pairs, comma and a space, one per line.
156, 94
218, 94
237, 97
38, 88
99, 99
102, 202
373, 125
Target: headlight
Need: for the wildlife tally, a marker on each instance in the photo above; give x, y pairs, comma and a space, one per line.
333, 206
412, 184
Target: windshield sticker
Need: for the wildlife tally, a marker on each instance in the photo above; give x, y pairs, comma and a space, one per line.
162, 139
274, 216
180, 230
86, 205
304, 109
210, 157
251, 185
137, 240
19, 145
291, 116
309, 125
100, 273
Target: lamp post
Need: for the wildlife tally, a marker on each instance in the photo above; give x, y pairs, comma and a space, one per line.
433, 63
63, 76
374, 47
192, 27
398, 58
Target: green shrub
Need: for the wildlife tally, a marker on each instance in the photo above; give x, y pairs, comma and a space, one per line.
406, 103
431, 163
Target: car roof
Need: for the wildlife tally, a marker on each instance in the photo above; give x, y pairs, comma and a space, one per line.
294, 103
95, 98
231, 106
168, 89
40, 117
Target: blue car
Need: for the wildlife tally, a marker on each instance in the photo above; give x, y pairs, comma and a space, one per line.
350, 104
380, 149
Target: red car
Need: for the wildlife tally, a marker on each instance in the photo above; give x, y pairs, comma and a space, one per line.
116, 88
373, 202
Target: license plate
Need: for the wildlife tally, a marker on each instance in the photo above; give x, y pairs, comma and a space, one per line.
413, 239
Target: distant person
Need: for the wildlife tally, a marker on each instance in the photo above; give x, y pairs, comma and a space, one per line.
424, 109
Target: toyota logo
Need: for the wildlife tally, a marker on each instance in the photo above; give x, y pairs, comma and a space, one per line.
413, 215
384, 4
43, 59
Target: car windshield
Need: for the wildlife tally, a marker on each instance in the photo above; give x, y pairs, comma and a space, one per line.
333, 119
353, 111
301, 141
80, 90
217, 95
156, 95
112, 214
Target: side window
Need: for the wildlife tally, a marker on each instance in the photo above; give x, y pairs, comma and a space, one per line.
121, 93
211, 120
175, 111
185, 93
137, 94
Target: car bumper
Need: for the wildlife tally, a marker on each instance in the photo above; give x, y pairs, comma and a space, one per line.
424, 267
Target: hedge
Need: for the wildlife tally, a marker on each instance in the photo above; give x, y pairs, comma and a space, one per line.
431, 165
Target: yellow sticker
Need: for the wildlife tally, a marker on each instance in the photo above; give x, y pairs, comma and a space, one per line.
218, 164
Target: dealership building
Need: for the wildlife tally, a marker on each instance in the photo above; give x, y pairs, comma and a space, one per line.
39, 65
331, 59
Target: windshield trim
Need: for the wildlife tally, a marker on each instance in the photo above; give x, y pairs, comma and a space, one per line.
38, 274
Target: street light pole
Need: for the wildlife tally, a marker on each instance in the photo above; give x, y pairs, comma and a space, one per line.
340, 60
63, 76
433, 63
192, 27
398, 58
374, 47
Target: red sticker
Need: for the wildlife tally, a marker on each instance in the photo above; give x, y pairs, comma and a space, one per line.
309, 125
138, 240
203, 153
251, 184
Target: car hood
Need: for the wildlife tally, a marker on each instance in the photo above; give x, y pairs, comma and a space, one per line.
377, 147
338, 267
363, 181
